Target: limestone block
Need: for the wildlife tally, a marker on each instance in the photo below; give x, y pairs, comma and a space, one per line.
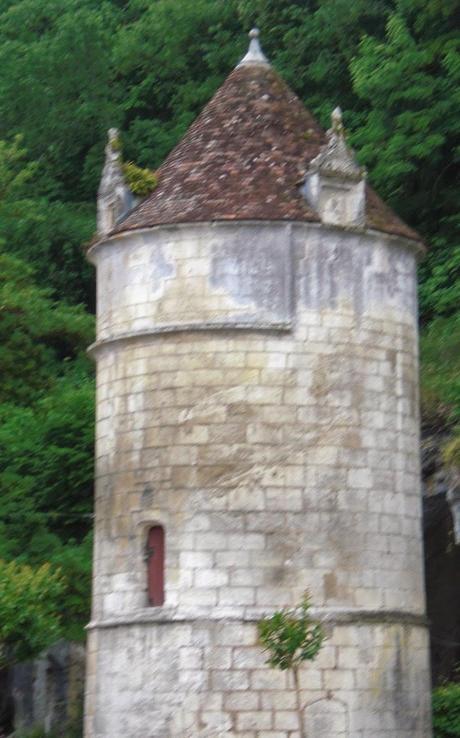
259, 720
326, 718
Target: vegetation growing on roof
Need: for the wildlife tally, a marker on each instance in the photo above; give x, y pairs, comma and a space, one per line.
140, 181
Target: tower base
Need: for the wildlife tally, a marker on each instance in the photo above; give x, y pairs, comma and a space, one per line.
165, 678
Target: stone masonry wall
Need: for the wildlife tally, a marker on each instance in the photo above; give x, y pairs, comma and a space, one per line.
208, 679
257, 396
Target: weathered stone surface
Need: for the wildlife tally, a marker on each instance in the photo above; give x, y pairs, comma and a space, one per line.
201, 277
277, 443
47, 693
368, 680
114, 198
334, 184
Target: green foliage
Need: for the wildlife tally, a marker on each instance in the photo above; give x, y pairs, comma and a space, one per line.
409, 136
47, 234
46, 434
50, 237
55, 86
40, 339
140, 181
451, 452
46, 471
29, 619
440, 376
313, 44
440, 275
46, 465
170, 58
14, 173
291, 636
446, 711
74, 560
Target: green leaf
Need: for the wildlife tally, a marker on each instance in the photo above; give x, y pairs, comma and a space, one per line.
291, 636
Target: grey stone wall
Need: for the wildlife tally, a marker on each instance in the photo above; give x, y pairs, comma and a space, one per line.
47, 693
208, 679
257, 396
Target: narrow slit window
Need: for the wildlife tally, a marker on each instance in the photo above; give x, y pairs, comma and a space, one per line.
155, 565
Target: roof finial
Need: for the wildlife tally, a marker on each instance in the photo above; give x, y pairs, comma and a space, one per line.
337, 121
255, 54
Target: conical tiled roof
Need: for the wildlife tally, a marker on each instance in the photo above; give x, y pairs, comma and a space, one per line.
243, 159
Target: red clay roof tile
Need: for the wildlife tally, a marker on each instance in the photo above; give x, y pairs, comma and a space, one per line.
243, 158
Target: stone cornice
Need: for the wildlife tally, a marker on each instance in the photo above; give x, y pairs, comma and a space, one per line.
332, 617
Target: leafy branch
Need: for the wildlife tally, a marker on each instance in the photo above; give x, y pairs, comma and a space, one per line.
290, 637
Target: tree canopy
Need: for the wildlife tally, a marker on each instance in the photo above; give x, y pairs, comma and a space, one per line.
29, 610
69, 70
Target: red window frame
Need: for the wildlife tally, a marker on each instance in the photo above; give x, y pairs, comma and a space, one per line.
155, 556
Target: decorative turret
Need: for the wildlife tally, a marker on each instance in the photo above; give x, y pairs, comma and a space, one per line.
114, 198
335, 185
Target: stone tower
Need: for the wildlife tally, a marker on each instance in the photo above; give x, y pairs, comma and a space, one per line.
257, 436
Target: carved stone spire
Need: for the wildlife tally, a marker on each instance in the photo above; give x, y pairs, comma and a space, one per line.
335, 183
114, 199
255, 55
336, 157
